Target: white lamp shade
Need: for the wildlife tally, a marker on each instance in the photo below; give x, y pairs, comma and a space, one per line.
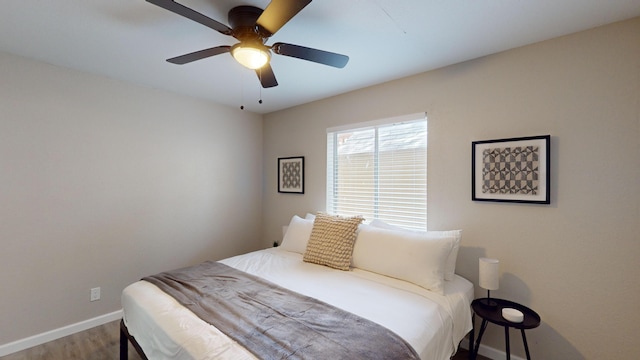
489, 273
252, 56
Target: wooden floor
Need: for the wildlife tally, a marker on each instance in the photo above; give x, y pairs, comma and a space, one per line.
100, 343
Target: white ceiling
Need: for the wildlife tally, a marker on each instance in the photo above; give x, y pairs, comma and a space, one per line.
385, 40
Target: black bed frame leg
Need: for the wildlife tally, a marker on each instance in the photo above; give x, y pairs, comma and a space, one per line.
124, 343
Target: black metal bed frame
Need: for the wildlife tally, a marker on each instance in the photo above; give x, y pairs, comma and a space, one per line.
125, 338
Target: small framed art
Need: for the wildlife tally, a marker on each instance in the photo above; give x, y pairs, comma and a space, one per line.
511, 170
291, 175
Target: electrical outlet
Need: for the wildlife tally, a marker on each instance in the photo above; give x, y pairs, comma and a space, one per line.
95, 294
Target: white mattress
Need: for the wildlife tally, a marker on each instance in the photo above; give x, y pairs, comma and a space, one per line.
433, 324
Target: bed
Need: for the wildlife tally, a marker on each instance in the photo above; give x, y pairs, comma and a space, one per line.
384, 284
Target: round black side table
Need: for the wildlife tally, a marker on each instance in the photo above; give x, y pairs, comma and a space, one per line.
493, 314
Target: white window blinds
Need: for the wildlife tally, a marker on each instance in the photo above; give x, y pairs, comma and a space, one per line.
379, 170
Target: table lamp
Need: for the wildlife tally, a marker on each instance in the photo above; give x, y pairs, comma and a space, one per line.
488, 279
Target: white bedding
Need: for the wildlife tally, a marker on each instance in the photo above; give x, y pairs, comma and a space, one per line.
433, 324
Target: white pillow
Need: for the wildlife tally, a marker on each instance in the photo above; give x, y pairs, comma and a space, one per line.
450, 267
297, 235
310, 216
407, 255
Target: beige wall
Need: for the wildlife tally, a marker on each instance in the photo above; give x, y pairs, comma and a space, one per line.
103, 182
574, 261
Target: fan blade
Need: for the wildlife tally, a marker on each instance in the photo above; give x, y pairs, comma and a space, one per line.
266, 76
315, 55
278, 13
197, 55
192, 15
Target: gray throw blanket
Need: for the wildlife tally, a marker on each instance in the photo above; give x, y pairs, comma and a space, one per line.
275, 323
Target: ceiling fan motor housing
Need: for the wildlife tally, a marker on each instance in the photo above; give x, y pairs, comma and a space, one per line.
243, 22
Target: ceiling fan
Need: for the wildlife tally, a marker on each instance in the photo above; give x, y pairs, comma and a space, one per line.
252, 27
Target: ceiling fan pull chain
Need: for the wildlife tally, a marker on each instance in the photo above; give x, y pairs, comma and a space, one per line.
260, 88
241, 92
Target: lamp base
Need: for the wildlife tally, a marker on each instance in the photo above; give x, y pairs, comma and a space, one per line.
488, 302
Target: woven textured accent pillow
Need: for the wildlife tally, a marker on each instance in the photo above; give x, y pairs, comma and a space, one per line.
331, 241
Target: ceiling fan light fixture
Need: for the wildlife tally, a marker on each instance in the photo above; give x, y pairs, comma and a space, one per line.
252, 56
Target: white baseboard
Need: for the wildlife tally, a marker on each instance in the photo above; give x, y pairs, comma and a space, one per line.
490, 352
39, 339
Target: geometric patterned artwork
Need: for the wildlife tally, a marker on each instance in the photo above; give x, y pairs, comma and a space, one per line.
516, 170
511, 170
291, 175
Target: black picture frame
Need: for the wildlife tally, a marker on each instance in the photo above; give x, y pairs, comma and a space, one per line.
515, 170
291, 175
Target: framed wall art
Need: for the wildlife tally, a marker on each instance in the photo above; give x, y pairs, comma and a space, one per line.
511, 170
291, 175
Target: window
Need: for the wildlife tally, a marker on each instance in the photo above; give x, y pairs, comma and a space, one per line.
379, 170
